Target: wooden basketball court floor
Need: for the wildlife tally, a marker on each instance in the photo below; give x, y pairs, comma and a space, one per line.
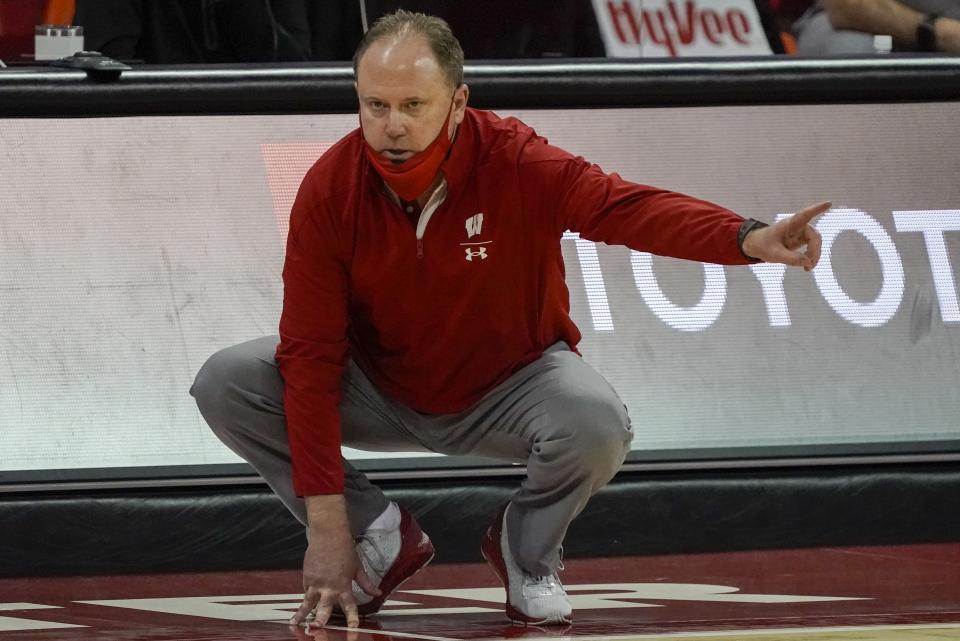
902, 593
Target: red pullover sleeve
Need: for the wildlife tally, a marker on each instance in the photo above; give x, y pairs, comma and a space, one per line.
606, 208
313, 344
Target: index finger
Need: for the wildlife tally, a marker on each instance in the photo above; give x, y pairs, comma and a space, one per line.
310, 600
807, 214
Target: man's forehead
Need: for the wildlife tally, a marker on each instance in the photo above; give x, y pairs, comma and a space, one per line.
399, 61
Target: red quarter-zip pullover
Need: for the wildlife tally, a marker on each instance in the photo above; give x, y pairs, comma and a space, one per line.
437, 321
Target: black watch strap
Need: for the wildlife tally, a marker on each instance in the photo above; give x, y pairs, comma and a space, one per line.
927, 32
745, 228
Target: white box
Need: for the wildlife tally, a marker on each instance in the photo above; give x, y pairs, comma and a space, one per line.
56, 41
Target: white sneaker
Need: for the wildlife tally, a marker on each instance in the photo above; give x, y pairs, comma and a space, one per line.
536, 600
390, 555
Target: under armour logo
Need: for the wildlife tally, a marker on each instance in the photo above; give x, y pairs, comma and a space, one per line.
482, 252
474, 224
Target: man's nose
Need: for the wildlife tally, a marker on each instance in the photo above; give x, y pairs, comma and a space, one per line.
396, 126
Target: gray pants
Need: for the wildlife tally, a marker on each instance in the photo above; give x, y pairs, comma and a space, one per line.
557, 415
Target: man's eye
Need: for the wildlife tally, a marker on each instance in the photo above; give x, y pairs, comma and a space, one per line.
413, 105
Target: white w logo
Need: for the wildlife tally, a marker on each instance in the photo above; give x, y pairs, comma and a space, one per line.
474, 224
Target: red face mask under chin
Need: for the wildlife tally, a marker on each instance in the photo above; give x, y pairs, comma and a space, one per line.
410, 178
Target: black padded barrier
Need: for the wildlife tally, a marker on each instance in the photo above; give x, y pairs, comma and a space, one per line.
311, 88
637, 514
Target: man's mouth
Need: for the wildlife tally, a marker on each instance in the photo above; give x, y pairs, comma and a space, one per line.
397, 155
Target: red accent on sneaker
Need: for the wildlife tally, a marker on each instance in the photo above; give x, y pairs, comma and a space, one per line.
416, 551
490, 548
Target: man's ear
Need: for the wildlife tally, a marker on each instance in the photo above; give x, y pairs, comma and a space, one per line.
460, 97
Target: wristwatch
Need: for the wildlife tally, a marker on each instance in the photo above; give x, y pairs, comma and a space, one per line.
746, 227
927, 33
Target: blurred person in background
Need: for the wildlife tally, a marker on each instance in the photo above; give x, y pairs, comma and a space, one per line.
838, 27
224, 31
488, 29
197, 31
